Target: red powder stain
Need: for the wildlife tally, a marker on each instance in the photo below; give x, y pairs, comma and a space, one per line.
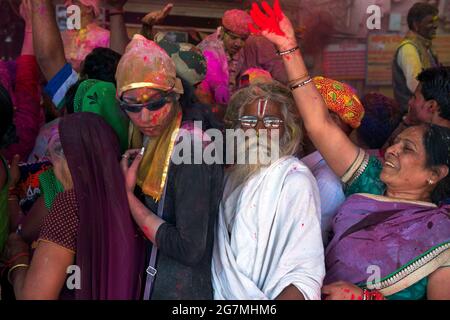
146, 232
145, 58
360, 297
353, 297
346, 290
267, 22
287, 58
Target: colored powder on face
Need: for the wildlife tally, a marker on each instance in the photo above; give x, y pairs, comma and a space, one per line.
160, 115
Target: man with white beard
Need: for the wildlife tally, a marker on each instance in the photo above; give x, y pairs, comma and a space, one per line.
268, 242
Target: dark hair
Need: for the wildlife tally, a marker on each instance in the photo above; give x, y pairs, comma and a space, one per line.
436, 140
101, 64
382, 116
436, 86
7, 128
194, 110
419, 11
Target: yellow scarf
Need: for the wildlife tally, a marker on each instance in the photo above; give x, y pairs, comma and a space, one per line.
152, 173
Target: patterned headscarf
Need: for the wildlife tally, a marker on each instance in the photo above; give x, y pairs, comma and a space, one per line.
342, 100
237, 21
189, 60
254, 76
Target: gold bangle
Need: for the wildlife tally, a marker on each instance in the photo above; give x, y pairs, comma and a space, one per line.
302, 77
21, 265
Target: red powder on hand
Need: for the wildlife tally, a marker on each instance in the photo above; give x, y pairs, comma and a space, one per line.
267, 22
146, 232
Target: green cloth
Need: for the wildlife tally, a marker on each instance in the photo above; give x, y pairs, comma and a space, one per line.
100, 97
4, 221
50, 187
369, 182
415, 292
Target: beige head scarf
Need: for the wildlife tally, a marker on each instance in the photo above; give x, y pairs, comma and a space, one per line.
146, 65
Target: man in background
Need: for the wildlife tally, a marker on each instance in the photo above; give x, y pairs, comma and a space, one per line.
414, 53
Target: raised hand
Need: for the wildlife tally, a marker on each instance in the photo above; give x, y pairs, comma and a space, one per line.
25, 12
155, 17
273, 24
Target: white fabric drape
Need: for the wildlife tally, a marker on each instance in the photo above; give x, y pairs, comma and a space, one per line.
274, 221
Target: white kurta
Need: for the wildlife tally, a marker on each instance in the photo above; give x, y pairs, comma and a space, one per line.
276, 241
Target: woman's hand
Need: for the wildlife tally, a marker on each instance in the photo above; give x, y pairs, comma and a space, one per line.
274, 25
156, 17
26, 13
342, 291
15, 245
130, 172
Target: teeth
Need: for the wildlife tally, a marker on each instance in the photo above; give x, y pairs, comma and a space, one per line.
389, 164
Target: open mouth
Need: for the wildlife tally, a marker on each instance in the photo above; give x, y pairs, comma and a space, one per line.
389, 164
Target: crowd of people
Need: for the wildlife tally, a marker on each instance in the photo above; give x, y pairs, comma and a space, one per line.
354, 206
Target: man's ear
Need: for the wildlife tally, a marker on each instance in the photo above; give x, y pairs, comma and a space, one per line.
432, 107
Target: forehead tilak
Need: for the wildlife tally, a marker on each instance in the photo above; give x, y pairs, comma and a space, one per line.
262, 106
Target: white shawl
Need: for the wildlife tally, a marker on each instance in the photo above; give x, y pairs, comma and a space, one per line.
275, 236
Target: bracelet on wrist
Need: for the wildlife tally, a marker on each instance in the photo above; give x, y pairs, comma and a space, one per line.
17, 256
17, 266
285, 52
372, 295
302, 77
301, 84
116, 12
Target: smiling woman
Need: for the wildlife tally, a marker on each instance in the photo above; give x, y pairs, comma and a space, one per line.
386, 218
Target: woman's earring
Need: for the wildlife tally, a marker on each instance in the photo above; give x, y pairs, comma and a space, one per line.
430, 182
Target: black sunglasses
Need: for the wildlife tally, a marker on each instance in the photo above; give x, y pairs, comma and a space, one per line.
155, 103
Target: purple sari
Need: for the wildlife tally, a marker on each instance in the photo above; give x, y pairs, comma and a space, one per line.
109, 249
377, 231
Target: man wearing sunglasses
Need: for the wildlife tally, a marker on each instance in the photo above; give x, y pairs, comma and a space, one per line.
268, 242
222, 52
174, 205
